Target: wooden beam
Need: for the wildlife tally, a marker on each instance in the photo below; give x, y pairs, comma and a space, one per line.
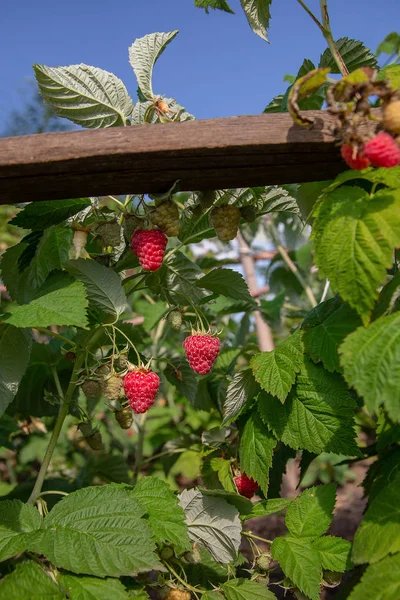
213, 154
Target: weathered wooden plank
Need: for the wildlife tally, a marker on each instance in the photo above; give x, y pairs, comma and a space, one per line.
218, 153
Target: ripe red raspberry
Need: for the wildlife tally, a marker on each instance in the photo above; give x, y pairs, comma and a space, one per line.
356, 160
149, 246
382, 150
246, 485
141, 386
225, 220
201, 351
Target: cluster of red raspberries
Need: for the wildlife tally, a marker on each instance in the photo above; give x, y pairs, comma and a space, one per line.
383, 149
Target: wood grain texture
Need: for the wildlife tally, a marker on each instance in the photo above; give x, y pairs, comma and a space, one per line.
212, 154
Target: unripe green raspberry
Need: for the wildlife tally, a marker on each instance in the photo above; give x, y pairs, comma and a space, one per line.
91, 388
248, 213
391, 117
263, 561
167, 553
166, 217
122, 361
175, 319
110, 234
124, 416
130, 224
225, 220
194, 556
92, 436
207, 198
112, 387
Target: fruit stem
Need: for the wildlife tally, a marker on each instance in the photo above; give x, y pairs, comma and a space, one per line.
139, 448
64, 408
55, 335
298, 275
130, 343
182, 581
249, 535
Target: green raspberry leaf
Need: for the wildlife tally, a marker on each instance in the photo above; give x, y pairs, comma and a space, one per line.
276, 371
103, 286
370, 358
28, 582
97, 531
310, 514
166, 517
379, 532
258, 15
325, 328
334, 553
215, 4
93, 588
299, 561
243, 589
242, 389
143, 55
17, 522
354, 54
86, 95
227, 283
48, 213
354, 239
256, 448
15, 350
380, 581
62, 302
318, 415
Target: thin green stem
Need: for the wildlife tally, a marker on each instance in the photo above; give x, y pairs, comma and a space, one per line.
58, 492
182, 581
55, 335
162, 454
139, 447
248, 534
297, 274
130, 343
329, 38
114, 199
311, 14
64, 408
57, 382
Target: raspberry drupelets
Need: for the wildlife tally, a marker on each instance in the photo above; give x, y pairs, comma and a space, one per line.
141, 386
149, 246
355, 159
382, 150
201, 351
246, 485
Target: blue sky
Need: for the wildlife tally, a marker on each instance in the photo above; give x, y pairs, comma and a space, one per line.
215, 67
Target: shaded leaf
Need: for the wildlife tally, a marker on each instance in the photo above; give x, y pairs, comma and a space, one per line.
243, 589
215, 4
354, 54
380, 581
256, 449
27, 581
379, 532
15, 349
226, 282
269, 507
103, 286
17, 523
48, 212
242, 389
92, 588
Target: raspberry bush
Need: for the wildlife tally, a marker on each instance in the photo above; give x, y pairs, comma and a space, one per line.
153, 406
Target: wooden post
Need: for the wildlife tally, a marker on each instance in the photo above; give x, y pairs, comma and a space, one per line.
212, 154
